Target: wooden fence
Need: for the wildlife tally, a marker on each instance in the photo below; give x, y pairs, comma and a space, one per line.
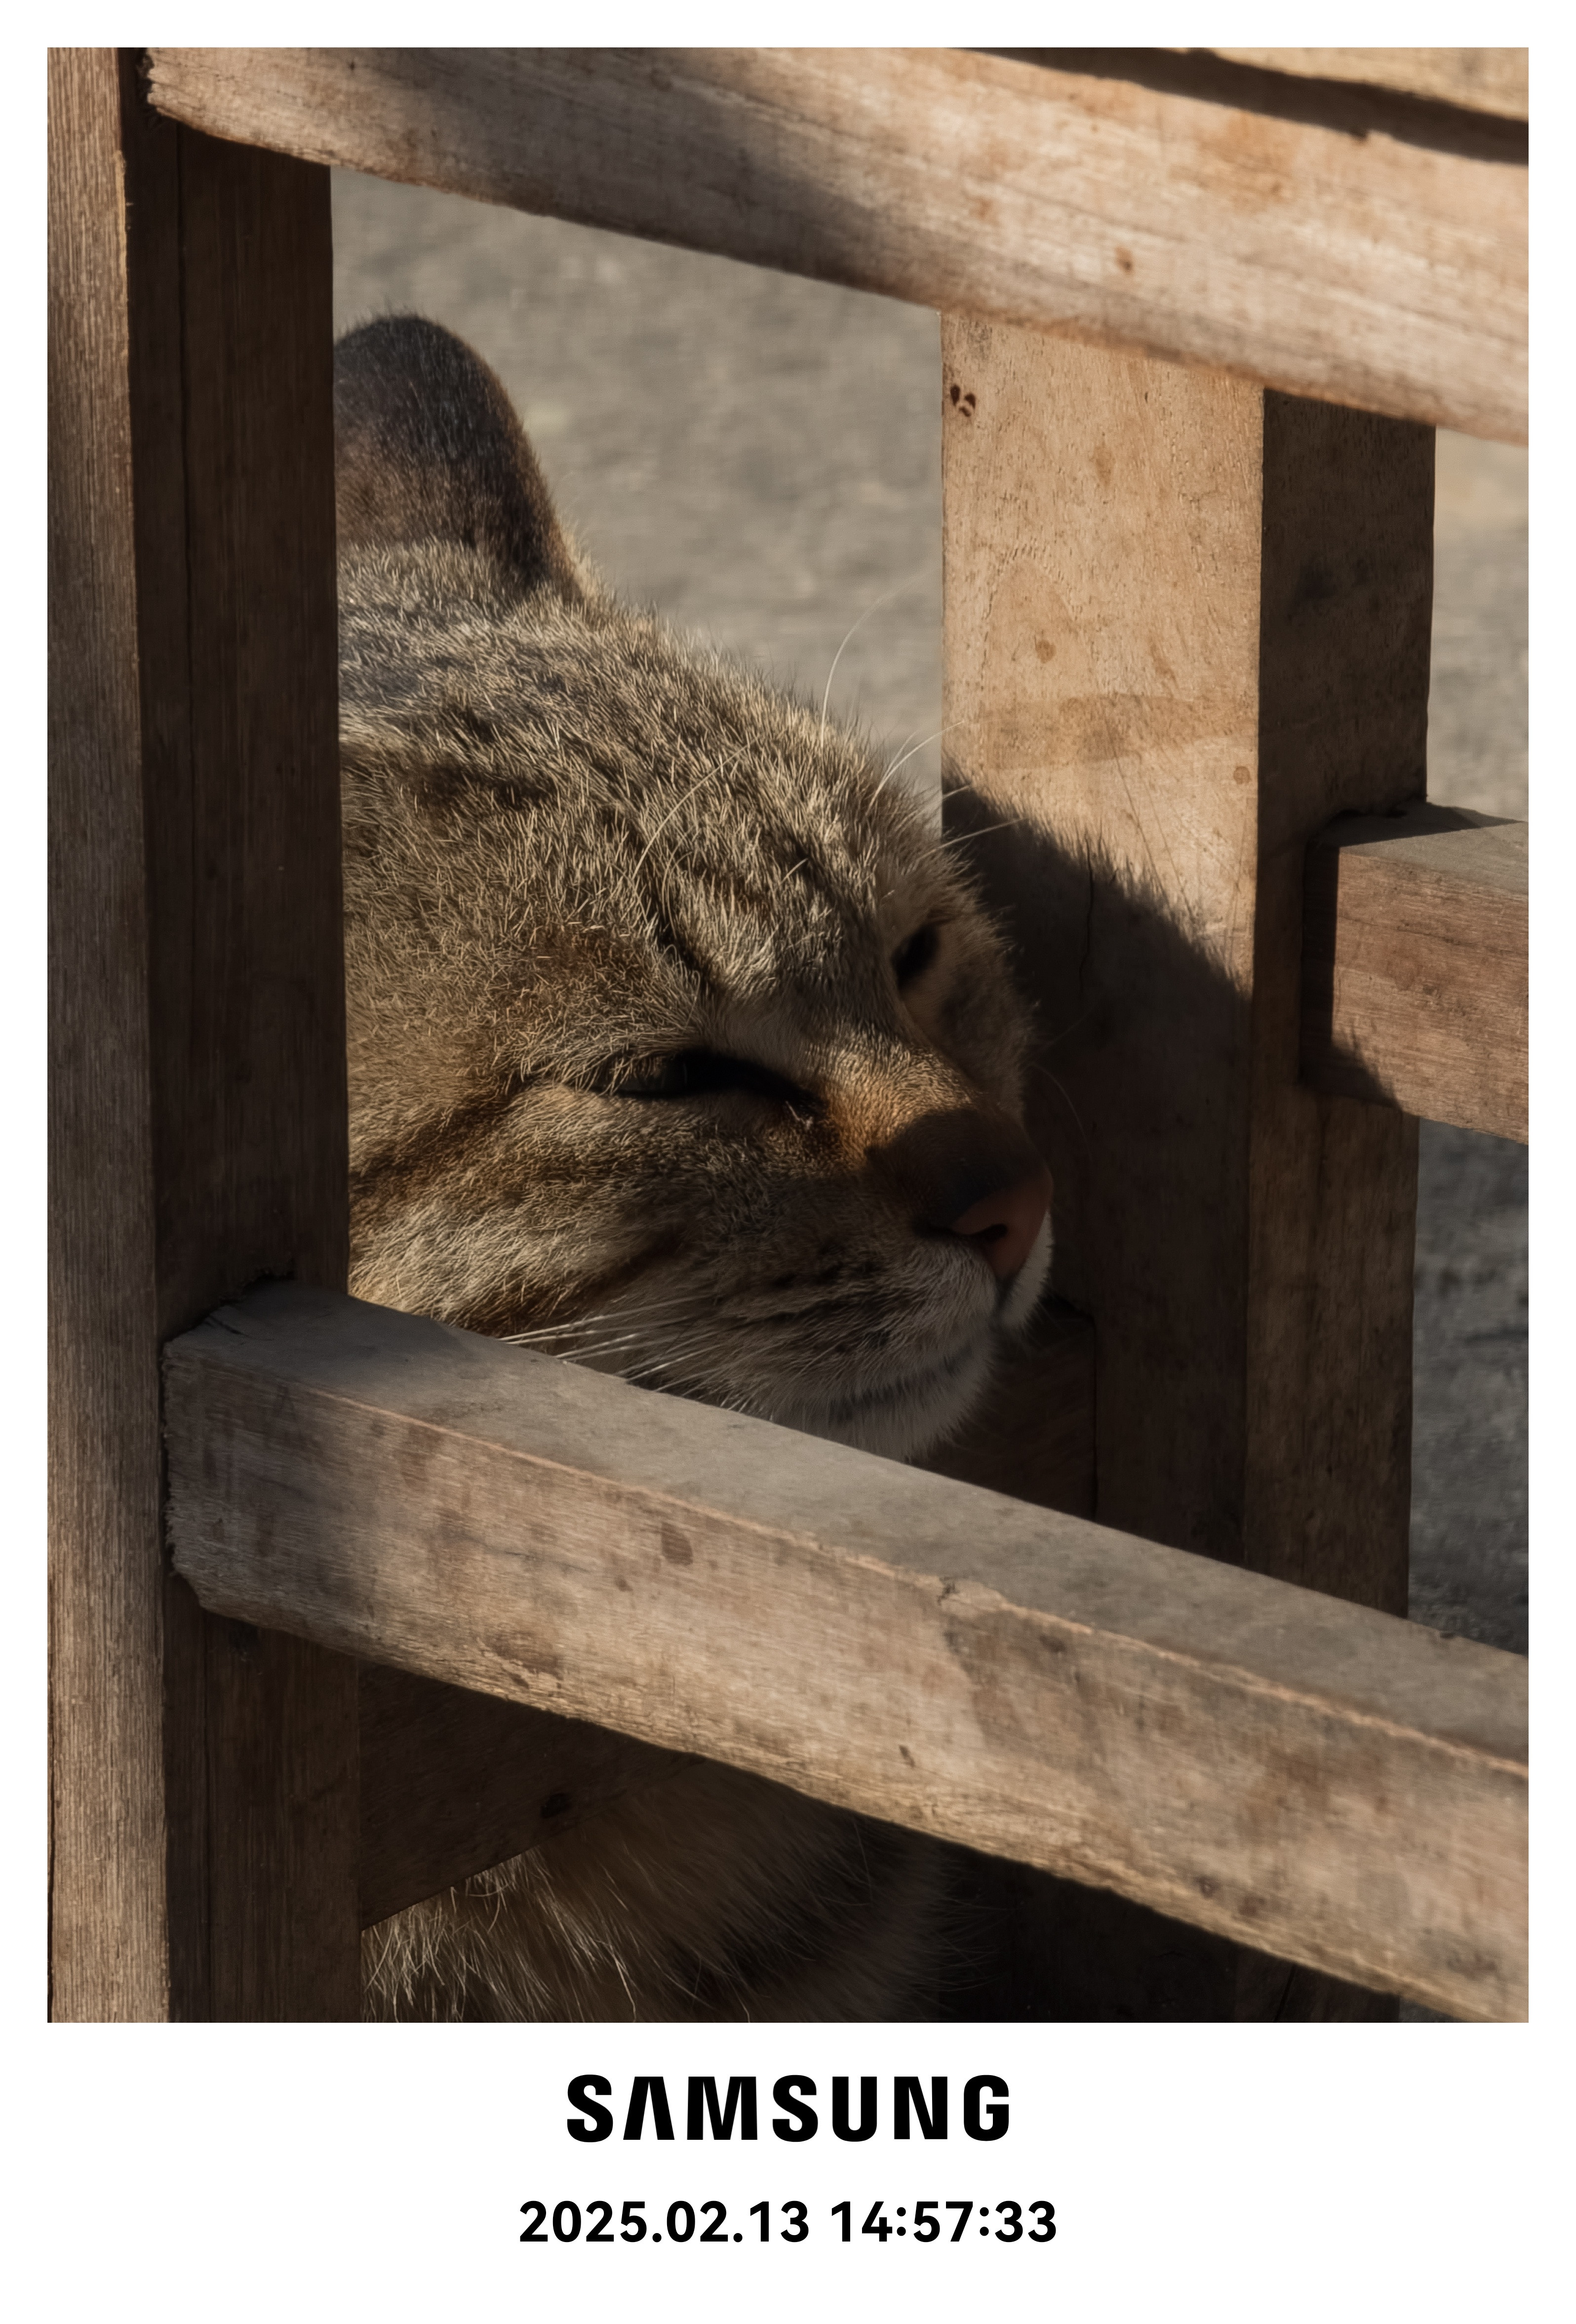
1201, 314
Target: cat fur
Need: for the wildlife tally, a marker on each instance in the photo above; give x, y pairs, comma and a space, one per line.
679, 1045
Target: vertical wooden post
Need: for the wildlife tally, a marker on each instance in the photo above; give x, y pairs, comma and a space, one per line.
1188, 621
203, 1774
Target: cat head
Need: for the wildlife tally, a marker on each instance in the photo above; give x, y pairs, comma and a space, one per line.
678, 1042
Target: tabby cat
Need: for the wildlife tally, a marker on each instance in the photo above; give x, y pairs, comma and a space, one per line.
679, 1047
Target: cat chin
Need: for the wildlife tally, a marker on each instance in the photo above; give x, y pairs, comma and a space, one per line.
1024, 1290
907, 1417
903, 1418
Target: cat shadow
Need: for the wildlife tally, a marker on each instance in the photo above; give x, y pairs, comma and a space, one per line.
1137, 1096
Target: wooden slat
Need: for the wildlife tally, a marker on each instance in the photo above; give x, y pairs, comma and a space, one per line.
1415, 965
452, 1782
109, 1942
203, 1793
1483, 80
1338, 1786
1377, 271
1186, 622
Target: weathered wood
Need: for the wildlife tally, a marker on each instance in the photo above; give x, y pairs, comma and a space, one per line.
1377, 271
107, 1780
453, 1782
1186, 622
1483, 80
1334, 1784
203, 1797
1055, 1950
1415, 965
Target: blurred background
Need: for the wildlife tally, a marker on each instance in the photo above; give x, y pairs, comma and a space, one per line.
759, 458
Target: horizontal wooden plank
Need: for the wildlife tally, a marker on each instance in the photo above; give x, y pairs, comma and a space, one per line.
1327, 1782
1415, 965
1483, 80
1372, 270
453, 1782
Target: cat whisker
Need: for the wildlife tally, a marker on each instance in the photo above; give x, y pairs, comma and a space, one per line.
639, 1339
958, 837
1046, 1075
640, 1342
704, 1349
597, 1350
717, 770
701, 1348
674, 1351
1067, 1030
578, 1325
649, 1310
918, 746
837, 657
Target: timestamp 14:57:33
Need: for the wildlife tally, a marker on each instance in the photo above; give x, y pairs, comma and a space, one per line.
1002, 2222
928, 2227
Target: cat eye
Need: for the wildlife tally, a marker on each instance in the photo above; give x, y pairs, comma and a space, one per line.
914, 954
705, 1072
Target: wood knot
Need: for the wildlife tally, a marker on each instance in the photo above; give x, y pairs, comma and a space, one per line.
673, 1547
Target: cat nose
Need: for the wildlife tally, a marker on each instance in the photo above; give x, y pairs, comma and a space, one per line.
970, 1171
1003, 1226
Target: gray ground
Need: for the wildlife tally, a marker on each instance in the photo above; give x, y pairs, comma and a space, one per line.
1469, 1459
760, 457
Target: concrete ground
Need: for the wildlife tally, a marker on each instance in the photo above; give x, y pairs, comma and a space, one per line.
760, 458
1469, 1452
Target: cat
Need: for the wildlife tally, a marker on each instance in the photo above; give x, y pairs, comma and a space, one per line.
678, 1046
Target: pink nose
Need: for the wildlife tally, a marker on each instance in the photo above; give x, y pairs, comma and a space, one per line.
1002, 1227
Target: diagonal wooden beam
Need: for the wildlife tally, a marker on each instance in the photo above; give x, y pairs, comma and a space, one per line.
1324, 1781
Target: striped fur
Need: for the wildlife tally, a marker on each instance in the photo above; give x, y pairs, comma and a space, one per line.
676, 1038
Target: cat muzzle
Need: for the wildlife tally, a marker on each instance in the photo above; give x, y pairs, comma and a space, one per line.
1004, 1226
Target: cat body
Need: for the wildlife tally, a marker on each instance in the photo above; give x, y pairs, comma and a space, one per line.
678, 1046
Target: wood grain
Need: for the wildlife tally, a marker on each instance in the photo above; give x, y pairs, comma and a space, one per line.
203, 1798
1335, 1785
1187, 621
1484, 81
452, 1782
1379, 271
1415, 965
108, 1924
1183, 618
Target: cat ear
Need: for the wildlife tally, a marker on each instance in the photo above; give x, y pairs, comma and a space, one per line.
427, 447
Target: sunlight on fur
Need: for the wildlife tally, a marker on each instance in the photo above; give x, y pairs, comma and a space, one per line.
679, 1048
